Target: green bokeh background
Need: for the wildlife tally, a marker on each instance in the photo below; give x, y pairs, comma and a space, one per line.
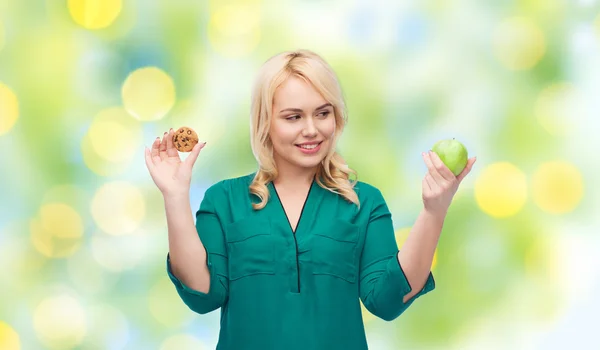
83, 235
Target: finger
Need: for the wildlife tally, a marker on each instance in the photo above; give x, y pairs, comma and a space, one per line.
163, 146
432, 170
148, 158
426, 182
467, 169
171, 150
191, 159
432, 183
155, 155
441, 167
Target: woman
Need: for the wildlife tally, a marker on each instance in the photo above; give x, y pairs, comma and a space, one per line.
287, 251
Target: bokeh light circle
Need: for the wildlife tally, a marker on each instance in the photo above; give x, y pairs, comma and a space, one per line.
58, 230
118, 207
9, 109
148, 93
97, 164
115, 135
60, 322
557, 187
94, 14
519, 43
234, 29
9, 338
501, 190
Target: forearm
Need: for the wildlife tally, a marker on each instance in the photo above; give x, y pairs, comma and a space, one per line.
186, 251
416, 255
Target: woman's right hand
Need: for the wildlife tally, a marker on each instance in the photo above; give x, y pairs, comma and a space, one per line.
171, 175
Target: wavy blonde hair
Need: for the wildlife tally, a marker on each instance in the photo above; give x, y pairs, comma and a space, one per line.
333, 173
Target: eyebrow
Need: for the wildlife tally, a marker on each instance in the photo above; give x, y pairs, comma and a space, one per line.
299, 110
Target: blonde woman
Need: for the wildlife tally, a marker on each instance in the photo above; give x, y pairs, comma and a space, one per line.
287, 251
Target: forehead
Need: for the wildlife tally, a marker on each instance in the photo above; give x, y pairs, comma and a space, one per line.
298, 92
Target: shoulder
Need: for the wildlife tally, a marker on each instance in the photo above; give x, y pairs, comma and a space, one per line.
367, 192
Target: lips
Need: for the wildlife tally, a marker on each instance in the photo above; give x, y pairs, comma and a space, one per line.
309, 145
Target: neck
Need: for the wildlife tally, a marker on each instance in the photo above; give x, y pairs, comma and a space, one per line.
295, 177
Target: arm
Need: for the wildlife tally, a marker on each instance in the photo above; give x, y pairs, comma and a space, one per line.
197, 258
417, 252
439, 187
187, 254
383, 284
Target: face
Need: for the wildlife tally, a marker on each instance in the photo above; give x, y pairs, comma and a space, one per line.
302, 126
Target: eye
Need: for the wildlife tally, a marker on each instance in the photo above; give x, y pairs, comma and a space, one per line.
324, 114
292, 117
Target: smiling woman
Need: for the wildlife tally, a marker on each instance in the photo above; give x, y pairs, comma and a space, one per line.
289, 251
305, 108
294, 130
320, 114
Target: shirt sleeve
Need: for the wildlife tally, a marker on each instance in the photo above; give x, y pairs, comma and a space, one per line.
211, 234
383, 283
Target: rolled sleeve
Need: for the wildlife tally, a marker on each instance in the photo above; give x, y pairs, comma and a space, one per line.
398, 276
211, 234
383, 283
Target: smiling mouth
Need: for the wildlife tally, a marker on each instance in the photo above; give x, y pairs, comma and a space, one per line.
313, 146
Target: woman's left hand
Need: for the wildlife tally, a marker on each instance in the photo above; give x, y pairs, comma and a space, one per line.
440, 184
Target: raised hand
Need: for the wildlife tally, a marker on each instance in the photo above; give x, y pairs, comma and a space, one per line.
171, 175
440, 184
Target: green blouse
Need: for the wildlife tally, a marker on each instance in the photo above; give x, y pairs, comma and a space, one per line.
279, 289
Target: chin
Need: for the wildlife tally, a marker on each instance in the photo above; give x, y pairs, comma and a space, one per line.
308, 164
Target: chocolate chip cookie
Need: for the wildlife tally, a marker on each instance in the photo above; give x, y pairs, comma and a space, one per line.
185, 139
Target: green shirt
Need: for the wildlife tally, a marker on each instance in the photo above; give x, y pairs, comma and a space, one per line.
279, 289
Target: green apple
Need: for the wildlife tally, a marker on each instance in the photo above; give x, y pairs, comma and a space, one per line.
453, 154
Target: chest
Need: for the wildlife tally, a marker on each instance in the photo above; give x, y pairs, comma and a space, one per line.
292, 205
296, 237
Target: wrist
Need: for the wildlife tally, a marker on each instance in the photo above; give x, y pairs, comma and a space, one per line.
436, 217
176, 197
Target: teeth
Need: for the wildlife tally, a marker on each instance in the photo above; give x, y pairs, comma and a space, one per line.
308, 146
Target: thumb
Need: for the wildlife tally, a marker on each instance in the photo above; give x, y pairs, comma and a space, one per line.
191, 159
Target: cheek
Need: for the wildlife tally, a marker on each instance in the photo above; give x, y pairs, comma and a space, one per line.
281, 135
329, 128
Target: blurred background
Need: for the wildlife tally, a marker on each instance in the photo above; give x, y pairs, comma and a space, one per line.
85, 85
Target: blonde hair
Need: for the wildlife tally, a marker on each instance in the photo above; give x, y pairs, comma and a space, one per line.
333, 173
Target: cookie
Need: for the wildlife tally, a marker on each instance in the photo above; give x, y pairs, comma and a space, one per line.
185, 139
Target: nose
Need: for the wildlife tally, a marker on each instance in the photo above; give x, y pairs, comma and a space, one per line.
309, 128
